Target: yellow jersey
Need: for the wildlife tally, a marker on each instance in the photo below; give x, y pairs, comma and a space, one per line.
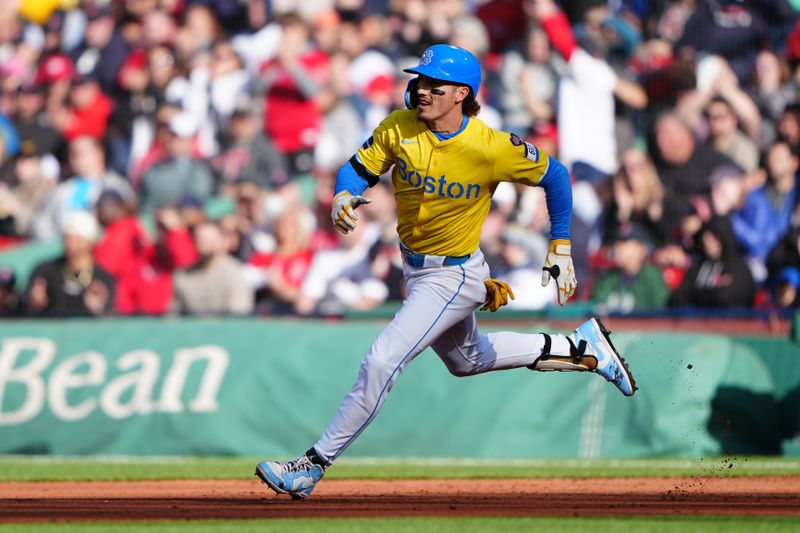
444, 188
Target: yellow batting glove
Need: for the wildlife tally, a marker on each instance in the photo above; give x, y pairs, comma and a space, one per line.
343, 212
558, 265
497, 294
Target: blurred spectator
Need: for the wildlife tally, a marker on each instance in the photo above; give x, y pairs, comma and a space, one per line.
261, 45
753, 220
250, 221
103, 50
180, 174
734, 30
55, 72
631, 284
292, 81
158, 28
586, 97
163, 70
504, 21
142, 268
228, 80
24, 194
637, 195
529, 80
36, 133
725, 136
149, 142
163, 86
9, 298
130, 117
782, 164
87, 111
524, 276
247, 154
684, 167
386, 261
785, 254
340, 279
72, 285
122, 242
771, 92
216, 284
80, 192
343, 125
756, 223
719, 277
199, 32
282, 271
789, 125
714, 80
191, 211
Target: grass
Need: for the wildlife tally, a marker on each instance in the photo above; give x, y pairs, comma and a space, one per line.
695, 524
48, 468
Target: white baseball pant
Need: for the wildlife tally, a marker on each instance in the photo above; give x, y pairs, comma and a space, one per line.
439, 312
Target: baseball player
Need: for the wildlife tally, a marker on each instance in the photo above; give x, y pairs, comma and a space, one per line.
447, 164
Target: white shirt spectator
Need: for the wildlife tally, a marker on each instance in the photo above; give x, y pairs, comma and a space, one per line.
340, 279
586, 113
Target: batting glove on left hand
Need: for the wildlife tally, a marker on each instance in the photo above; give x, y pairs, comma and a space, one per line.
558, 265
497, 294
343, 212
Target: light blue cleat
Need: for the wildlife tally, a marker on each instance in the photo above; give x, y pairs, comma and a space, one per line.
610, 364
296, 478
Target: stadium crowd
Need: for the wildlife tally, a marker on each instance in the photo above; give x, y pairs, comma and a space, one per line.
184, 152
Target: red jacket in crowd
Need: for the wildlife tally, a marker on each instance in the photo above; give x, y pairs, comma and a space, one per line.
143, 269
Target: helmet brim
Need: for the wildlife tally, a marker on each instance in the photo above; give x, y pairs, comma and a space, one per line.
434, 74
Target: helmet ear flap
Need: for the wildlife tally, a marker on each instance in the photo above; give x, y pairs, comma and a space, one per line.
412, 99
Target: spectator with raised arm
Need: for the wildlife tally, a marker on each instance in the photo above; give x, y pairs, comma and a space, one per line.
292, 83
714, 81
586, 96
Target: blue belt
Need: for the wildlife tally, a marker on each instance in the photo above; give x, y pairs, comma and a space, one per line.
419, 260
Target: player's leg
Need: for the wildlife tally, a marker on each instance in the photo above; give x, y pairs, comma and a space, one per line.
466, 352
438, 298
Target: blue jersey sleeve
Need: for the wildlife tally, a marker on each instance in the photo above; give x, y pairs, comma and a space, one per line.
557, 187
350, 180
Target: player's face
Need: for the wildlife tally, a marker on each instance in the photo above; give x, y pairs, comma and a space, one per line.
438, 98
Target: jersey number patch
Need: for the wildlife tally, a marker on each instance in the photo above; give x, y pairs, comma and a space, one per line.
531, 152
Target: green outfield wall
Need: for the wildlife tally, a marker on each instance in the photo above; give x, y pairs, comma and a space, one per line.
255, 387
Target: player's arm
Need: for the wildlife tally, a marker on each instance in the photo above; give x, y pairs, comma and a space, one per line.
518, 161
361, 171
558, 262
351, 182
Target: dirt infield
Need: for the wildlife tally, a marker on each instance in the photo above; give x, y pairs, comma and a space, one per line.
152, 500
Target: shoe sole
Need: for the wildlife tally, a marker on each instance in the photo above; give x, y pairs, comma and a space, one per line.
260, 474
620, 360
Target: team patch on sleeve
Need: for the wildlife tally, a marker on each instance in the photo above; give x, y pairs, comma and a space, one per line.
531, 152
368, 143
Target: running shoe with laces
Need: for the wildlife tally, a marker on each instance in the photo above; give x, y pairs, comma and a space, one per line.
296, 478
610, 363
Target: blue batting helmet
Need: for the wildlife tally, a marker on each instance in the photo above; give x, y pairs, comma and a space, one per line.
449, 63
